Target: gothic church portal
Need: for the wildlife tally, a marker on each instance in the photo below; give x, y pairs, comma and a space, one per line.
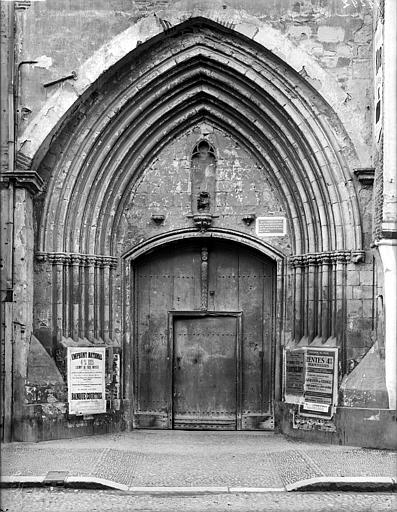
143, 190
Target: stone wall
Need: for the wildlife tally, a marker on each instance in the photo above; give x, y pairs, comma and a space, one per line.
108, 114
336, 35
165, 187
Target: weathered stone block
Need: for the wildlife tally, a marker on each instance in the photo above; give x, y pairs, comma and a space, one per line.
366, 277
330, 34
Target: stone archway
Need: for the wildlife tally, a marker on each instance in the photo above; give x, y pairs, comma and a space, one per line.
199, 76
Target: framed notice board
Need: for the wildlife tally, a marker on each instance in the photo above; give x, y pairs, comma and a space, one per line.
321, 382
311, 380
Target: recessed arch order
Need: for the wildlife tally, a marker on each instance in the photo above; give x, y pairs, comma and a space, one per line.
198, 71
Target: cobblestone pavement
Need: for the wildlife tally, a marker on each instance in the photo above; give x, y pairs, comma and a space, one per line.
46, 500
181, 458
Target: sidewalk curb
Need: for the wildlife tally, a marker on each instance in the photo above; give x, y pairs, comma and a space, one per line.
323, 483
345, 483
87, 482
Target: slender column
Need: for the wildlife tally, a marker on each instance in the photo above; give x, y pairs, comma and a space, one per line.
67, 297
90, 297
111, 298
83, 304
311, 293
293, 297
340, 313
107, 263
333, 295
75, 295
298, 306
305, 300
98, 298
58, 261
204, 278
319, 296
326, 298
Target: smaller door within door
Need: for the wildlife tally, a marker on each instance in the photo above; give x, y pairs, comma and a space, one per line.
205, 373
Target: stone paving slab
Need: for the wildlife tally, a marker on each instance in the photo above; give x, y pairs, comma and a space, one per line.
354, 462
195, 459
18, 459
251, 470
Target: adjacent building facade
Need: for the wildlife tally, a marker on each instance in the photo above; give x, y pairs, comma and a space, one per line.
198, 213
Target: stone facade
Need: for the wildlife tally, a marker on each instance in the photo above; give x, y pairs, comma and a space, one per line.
106, 105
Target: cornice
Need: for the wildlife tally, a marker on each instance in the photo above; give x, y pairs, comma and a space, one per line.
24, 179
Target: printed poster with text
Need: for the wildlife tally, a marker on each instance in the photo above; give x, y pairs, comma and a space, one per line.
294, 370
321, 370
86, 380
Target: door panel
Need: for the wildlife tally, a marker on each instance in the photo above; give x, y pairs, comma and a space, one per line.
239, 280
205, 373
165, 280
223, 283
169, 280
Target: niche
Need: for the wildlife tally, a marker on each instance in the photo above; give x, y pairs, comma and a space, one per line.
203, 177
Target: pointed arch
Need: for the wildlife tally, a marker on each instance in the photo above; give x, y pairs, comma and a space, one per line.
213, 74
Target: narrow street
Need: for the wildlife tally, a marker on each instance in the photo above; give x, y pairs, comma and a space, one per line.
61, 500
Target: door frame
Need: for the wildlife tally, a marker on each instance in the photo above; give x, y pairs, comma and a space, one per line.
281, 303
172, 316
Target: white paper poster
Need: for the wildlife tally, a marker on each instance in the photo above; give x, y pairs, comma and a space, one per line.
86, 380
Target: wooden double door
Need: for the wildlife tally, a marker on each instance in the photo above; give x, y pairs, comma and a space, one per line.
203, 350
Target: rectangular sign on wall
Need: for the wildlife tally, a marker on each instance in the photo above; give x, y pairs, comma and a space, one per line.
271, 226
294, 373
321, 380
86, 380
311, 379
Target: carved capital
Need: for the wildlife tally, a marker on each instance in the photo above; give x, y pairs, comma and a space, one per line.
326, 258
297, 261
341, 256
58, 258
75, 259
109, 261
90, 260
312, 259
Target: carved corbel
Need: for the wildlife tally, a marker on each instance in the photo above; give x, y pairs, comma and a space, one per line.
41, 257
358, 256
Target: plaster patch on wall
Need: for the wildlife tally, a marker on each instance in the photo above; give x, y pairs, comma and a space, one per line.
43, 62
299, 32
374, 417
328, 34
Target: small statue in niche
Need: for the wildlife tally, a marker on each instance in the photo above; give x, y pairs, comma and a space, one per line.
203, 202
203, 176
